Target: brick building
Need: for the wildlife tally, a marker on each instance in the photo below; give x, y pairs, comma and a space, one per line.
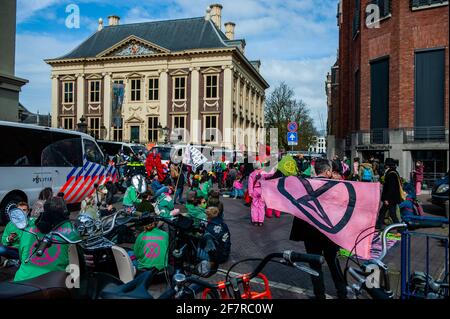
392, 83
131, 80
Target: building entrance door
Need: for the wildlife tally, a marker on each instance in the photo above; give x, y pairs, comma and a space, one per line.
434, 164
134, 134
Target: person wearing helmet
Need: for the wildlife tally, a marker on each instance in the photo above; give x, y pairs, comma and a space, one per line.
56, 257
131, 197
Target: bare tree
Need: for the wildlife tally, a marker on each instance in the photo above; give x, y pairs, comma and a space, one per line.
282, 108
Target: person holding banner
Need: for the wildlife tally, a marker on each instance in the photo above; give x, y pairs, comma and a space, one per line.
319, 244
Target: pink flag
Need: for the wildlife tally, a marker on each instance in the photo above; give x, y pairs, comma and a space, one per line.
344, 211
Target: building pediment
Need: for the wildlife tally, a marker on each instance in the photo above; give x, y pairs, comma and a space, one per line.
135, 120
132, 46
211, 70
179, 72
68, 78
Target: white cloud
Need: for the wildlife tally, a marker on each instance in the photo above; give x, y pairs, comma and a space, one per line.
306, 77
27, 8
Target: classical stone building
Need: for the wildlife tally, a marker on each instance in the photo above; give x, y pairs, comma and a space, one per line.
180, 74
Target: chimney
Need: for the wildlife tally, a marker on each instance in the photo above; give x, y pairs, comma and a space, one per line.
208, 14
229, 30
216, 14
100, 24
113, 20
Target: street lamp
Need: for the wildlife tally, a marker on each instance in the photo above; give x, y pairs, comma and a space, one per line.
163, 131
103, 132
82, 126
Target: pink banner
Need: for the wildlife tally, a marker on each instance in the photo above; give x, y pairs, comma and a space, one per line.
344, 211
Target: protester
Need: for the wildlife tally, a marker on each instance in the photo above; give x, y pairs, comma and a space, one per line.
318, 243
157, 187
418, 177
392, 194
131, 197
255, 192
179, 183
151, 249
356, 169
366, 172
38, 206
9, 248
153, 162
215, 246
238, 188
52, 216
194, 208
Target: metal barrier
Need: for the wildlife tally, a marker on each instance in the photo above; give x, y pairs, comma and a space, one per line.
406, 269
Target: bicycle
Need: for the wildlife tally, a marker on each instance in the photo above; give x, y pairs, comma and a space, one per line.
373, 277
188, 287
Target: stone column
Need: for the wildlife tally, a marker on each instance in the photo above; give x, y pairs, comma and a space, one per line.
55, 95
80, 97
163, 97
196, 131
107, 106
227, 135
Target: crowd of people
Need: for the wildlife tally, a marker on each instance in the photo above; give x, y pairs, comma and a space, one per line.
149, 185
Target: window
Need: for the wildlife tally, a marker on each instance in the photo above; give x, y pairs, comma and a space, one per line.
357, 99
67, 123
94, 127
423, 4
92, 152
210, 128
211, 86
429, 88
68, 92
241, 97
153, 89
117, 134
94, 91
179, 121
153, 128
32, 147
385, 7
379, 114
135, 90
63, 153
180, 88
356, 18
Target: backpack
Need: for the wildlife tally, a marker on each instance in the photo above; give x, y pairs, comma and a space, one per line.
367, 175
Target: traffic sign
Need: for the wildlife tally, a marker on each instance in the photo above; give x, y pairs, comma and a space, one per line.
292, 127
292, 138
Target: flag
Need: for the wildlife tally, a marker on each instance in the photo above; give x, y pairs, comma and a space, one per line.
344, 211
194, 157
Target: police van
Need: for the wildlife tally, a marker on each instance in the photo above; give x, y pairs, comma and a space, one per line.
34, 157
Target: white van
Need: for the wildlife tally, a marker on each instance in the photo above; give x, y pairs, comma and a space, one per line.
35, 157
113, 148
175, 153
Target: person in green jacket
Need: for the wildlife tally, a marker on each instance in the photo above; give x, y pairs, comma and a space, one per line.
205, 186
151, 249
131, 197
56, 257
194, 208
9, 248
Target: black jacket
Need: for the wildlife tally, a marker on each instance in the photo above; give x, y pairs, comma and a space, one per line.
302, 231
391, 187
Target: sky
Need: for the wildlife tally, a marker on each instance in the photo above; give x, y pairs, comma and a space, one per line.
296, 40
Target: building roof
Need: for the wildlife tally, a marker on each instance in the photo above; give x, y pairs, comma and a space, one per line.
173, 35
28, 117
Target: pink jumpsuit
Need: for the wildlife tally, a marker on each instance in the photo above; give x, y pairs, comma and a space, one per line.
255, 192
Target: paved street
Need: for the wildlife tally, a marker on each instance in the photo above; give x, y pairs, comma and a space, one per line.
249, 241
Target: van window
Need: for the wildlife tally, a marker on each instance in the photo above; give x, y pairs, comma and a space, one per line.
127, 150
63, 153
92, 152
25, 147
111, 148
